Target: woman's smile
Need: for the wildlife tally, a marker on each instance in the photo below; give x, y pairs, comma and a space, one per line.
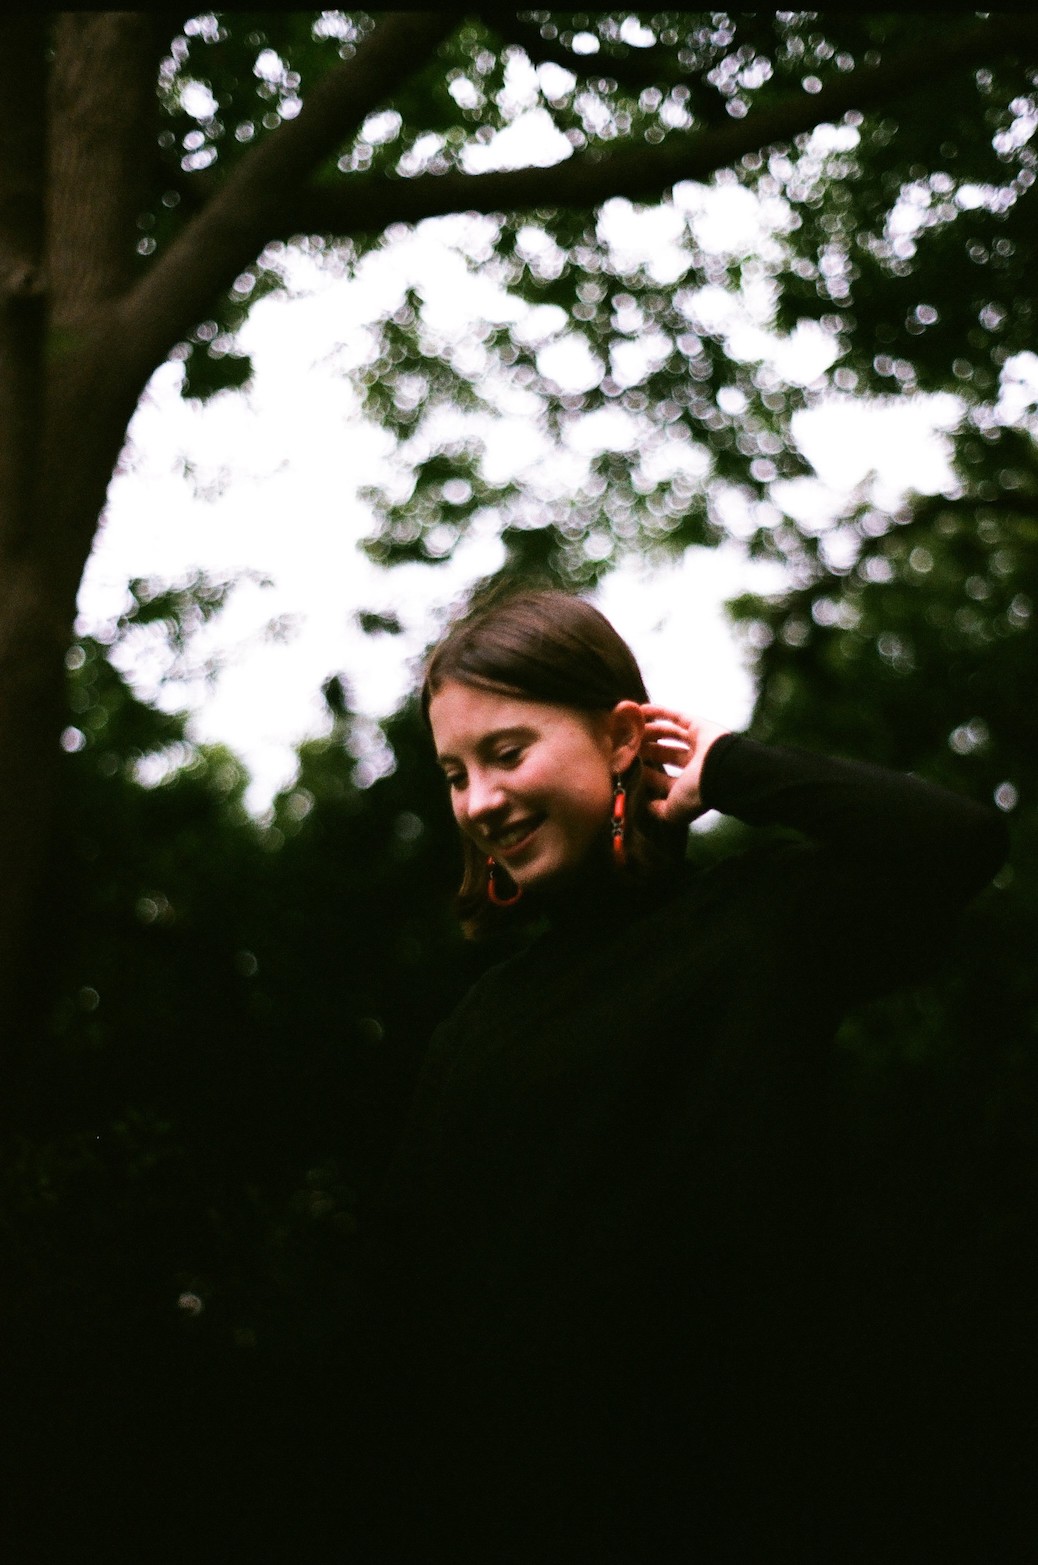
512, 840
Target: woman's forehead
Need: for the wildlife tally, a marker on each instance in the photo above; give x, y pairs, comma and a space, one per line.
459, 709
461, 715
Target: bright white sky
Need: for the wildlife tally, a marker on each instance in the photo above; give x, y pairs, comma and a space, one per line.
266, 482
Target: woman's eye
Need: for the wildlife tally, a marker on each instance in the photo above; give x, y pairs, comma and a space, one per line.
509, 757
454, 780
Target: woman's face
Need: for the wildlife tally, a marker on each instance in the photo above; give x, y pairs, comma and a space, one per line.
531, 784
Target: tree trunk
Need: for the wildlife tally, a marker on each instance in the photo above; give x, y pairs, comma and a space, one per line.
67, 217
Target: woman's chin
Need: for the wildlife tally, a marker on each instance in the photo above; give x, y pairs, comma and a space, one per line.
553, 880
544, 869
535, 879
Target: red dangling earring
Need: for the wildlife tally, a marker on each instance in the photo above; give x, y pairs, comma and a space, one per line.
619, 821
493, 893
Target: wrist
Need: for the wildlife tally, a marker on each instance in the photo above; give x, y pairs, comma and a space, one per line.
713, 764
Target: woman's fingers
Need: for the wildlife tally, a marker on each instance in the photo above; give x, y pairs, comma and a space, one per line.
683, 736
666, 755
650, 712
657, 780
657, 727
675, 746
667, 725
656, 731
666, 733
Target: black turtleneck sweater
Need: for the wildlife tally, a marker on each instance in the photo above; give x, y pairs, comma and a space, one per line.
604, 1299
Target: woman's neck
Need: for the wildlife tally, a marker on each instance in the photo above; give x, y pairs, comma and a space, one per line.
598, 893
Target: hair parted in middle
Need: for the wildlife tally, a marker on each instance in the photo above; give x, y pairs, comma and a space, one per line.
546, 645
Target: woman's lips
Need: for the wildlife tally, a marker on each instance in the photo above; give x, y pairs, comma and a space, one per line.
506, 844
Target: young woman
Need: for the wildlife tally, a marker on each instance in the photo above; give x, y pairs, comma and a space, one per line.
610, 1314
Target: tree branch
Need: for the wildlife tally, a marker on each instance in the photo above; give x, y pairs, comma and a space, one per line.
367, 203
245, 213
637, 69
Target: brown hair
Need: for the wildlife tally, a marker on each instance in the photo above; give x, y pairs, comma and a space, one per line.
545, 645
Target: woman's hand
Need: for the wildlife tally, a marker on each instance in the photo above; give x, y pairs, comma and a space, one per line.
672, 739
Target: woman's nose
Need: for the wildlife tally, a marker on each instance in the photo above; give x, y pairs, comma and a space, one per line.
484, 798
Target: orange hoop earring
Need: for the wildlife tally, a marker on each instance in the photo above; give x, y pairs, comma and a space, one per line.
492, 892
619, 821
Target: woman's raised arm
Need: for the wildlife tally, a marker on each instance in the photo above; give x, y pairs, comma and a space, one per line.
863, 812
870, 899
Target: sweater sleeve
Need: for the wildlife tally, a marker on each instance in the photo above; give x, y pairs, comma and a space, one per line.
889, 862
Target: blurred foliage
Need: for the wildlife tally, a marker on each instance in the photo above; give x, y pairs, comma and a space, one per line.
923, 656
228, 1009
237, 1013
900, 237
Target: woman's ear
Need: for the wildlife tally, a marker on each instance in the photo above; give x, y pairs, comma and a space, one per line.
626, 732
